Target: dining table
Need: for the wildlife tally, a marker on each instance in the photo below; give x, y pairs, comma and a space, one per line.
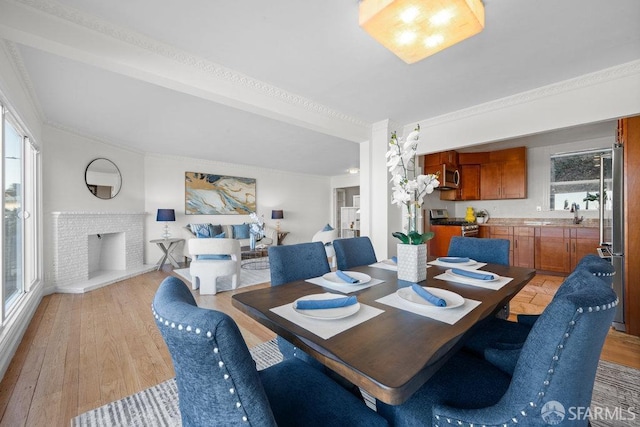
399, 345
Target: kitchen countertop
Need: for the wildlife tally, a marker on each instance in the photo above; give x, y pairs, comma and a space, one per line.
541, 222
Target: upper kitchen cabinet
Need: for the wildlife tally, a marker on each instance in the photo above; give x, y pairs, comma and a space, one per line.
505, 175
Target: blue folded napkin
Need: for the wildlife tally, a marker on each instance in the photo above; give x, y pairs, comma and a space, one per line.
453, 259
394, 259
325, 303
472, 274
346, 277
437, 301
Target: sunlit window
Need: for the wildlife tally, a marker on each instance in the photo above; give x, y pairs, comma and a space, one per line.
575, 178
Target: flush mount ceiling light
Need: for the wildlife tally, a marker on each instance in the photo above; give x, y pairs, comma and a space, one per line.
415, 29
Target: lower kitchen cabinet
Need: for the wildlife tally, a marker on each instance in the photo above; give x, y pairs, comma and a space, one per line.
503, 232
584, 241
439, 245
524, 247
552, 249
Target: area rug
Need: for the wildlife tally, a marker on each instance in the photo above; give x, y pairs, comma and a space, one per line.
616, 394
247, 278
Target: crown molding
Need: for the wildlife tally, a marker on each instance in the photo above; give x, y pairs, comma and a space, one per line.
586, 80
23, 76
186, 58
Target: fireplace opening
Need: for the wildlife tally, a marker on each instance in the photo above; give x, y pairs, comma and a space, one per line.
107, 252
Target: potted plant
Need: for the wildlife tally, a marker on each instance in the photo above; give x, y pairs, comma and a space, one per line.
409, 189
482, 216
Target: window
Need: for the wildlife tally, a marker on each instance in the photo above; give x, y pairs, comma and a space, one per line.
575, 178
19, 167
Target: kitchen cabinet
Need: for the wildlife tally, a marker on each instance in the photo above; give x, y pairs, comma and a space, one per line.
559, 249
444, 157
505, 175
524, 247
552, 249
503, 232
439, 245
584, 241
469, 188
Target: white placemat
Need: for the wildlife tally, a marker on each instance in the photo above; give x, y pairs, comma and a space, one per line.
474, 282
326, 329
347, 288
450, 316
457, 265
387, 264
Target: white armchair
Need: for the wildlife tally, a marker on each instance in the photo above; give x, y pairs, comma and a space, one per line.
209, 261
327, 237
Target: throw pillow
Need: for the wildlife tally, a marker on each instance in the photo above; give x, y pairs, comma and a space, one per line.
327, 228
220, 236
215, 229
241, 231
201, 230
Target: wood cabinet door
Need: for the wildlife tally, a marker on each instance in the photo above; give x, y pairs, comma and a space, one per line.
584, 241
490, 181
524, 247
552, 249
469, 182
514, 179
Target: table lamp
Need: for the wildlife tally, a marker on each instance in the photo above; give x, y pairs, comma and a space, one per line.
166, 215
277, 214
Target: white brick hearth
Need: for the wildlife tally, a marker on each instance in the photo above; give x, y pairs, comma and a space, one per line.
94, 249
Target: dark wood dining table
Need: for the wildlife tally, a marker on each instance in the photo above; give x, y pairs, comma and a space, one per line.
393, 354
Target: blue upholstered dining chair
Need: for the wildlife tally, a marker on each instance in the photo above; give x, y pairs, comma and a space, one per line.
503, 333
557, 363
493, 251
289, 263
218, 383
354, 252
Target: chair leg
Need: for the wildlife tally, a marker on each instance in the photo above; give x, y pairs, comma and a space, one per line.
208, 285
195, 282
234, 281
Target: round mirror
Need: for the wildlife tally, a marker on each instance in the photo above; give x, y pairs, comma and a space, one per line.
103, 178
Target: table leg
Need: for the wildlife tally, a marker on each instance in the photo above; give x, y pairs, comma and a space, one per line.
167, 255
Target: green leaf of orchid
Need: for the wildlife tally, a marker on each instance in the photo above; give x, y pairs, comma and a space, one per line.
401, 236
416, 238
428, 236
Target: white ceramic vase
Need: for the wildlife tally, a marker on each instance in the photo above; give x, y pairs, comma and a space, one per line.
412, 262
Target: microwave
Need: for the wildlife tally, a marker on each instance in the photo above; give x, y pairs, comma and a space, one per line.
449, 177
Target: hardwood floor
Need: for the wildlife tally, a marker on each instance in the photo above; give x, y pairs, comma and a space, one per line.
82, 351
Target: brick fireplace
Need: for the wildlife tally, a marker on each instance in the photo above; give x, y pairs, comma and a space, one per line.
94, 249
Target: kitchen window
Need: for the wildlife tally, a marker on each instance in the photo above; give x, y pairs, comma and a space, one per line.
575, 178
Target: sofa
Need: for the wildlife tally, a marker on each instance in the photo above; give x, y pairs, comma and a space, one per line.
239, 232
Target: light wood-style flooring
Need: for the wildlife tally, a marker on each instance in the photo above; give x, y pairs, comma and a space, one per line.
82, 351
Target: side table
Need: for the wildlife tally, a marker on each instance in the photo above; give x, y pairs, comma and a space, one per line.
281, 236
167, 246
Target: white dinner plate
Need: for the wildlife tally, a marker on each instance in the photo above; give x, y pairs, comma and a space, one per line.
327, 313
460, 276
443, 260
335, 280
453, 300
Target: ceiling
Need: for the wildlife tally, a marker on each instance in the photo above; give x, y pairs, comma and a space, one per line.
288, 85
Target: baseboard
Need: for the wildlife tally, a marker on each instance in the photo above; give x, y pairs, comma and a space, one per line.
13, 331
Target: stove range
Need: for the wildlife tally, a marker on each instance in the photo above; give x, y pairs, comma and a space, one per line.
451, 221
441, 217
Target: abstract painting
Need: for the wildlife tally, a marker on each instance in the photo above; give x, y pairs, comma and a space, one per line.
209, 194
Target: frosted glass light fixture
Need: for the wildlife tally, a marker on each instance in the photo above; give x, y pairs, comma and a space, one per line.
415, 29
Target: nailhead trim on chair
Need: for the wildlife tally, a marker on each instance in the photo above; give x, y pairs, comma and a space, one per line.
216, 351
545, 384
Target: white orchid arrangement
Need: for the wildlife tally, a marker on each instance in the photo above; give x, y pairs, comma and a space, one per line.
409, 188
257, 224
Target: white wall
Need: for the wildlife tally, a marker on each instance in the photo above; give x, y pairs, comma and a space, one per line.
65, 158
305, 199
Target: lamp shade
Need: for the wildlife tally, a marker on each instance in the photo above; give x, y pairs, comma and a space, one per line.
277, 214
166, 215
